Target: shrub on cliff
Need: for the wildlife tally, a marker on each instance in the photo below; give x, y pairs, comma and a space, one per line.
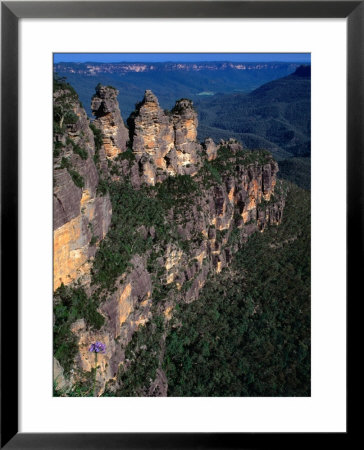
76, 178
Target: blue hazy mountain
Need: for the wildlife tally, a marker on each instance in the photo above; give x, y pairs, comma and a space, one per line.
276, 116
169, 81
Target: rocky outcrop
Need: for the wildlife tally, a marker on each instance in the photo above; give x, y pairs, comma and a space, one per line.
152, 137
80, 217
232, 144
213, 216
210, 148
127, 308
59, 380
164, 142
151, 130
257, 184
233, 196
185, 137
108, 120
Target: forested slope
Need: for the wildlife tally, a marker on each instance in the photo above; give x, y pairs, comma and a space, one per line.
248, 334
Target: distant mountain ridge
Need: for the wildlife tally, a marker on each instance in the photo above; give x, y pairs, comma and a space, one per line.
169, 80
92, 68
277, 112
275, 116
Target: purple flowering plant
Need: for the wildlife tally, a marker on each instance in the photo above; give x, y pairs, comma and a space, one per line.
96, 347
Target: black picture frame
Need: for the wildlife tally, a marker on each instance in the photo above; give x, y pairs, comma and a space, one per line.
11, 12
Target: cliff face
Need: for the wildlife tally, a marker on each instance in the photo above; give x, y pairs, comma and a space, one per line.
80, 217
219, 197
213, 226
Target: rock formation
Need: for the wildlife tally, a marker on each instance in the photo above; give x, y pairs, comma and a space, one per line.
164, 142
185, 137
232, 195
210, 149
108, 120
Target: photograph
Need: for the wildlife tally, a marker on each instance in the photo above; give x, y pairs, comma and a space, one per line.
181, 224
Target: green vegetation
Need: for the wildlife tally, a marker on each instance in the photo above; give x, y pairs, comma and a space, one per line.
135, 211
180, 188
210, 174
128, 155
98, 139
63, 113
84, 385
80, 151
57, 147
76, 178
249, 334
65, 163
226, 163
276, 116
71, 304
142, 353
60, 83
97, 136
82, 388
131, 210
77, 149
221, 234
297, 170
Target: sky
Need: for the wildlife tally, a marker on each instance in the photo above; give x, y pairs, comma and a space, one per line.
182, 57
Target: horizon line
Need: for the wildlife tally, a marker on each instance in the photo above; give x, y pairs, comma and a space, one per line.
183, 62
